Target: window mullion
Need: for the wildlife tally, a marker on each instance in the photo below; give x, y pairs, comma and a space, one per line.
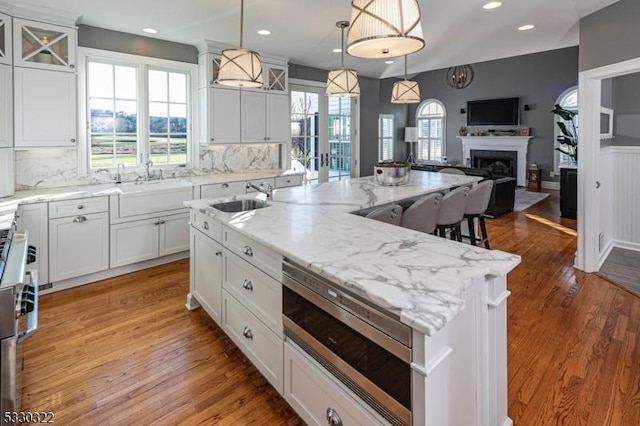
143, 114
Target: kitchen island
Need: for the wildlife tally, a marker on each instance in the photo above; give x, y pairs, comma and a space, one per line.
452, 295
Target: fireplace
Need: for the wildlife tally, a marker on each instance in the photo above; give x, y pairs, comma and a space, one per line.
500, 144
501, 163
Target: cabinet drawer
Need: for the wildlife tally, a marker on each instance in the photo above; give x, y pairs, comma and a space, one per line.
210, 227
256, 290
261, 182
253, 252
154, 202
82, 206
254, 339
219, 190
291, 180
312, 392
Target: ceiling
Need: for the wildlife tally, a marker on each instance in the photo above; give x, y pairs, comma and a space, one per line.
304, 31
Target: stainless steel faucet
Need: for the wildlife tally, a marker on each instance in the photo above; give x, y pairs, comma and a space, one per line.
264, 187
148, 164
118, 175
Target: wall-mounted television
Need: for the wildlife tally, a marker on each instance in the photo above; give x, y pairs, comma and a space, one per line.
493, 112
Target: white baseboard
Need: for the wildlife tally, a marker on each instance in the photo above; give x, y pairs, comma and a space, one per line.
604, 253
611, 244
547, 184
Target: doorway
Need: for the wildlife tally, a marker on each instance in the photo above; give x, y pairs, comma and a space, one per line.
323, 133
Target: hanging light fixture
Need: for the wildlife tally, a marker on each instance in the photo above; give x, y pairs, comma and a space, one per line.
405, 91
343, 82
384, 28
459, 77
240, 67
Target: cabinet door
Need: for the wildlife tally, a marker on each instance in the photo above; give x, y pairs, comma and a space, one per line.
174, 234
7, 172
133, 242
45, 108
278, 118
6, 106
275, 77
33, 217
5, 39
78, 245
219, 190
44, 46
206, 264
224, 116
253, 117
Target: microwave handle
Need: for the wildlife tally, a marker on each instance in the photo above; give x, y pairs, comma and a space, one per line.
32, 317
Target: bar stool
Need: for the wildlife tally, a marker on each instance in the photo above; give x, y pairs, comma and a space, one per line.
422, 215
389, 214
477, 203
451, 213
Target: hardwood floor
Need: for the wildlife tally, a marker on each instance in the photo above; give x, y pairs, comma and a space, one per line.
126, 351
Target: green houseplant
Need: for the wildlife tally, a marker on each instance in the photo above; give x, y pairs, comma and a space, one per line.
569, 136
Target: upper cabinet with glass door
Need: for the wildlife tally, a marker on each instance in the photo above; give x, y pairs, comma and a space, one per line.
5, 39
275, 77
45, 46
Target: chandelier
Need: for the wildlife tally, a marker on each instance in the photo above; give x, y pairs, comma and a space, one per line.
342, 82
460, 76
405, 91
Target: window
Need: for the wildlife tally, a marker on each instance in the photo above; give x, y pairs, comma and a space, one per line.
430, 119
138, 109
385, 137
568, 100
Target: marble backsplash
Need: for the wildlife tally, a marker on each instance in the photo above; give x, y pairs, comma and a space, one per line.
51, 168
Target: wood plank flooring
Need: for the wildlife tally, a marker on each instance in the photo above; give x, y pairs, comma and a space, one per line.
125, 351
622, 267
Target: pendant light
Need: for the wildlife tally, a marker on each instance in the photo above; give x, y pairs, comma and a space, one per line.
240, 67
405, 91
384, 28
460, 76
342, 82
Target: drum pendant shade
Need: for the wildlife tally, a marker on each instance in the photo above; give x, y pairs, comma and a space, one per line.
343, 82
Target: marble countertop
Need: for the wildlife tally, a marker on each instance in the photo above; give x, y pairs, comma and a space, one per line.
423, 279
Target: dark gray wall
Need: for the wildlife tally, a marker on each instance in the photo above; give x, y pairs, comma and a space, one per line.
369, 111
626, 110
100, 38
610, 35
537, 79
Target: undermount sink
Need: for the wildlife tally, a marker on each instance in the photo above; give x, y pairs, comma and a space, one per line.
239, 205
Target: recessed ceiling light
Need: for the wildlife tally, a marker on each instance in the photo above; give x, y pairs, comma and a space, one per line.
150, 30
388, 62
264, 32
526, 27
492, 5
337, 50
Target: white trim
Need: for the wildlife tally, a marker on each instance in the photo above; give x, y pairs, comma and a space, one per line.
381, 118
84, 54
308, 83
611, 244
547, 184
609, 113
519, 144
616, 149
444, 127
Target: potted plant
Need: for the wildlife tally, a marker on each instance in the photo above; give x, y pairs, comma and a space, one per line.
569, 137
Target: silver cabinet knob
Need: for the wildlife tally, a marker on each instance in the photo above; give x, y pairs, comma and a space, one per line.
247, 333
333, 419
218, 253
73, 140
248, 251
225, 185
80, 206
205, 225
80, 219
72, 66
247, 285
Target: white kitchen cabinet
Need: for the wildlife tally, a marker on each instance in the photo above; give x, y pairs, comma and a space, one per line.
7, 172
78, 245
221, 115
6, 56
316, 396
276, 77
288, 180
34, 218
146, 239
206, 273
260, 256
265, 117
225, 189
45, 108
6, 106
44, 46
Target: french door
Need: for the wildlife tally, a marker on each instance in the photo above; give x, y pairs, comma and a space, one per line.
323, 134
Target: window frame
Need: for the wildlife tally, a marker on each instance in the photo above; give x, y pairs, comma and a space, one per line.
143, 64
420, 117
557, 155
381, 138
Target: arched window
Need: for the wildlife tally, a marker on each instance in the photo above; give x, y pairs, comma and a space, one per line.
430, 119
568, 100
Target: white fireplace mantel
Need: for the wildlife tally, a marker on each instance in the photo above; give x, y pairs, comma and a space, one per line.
519, 144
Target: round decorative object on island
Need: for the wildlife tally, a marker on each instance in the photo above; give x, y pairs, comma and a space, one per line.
391, 173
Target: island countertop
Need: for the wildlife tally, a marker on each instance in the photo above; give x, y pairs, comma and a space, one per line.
423, 279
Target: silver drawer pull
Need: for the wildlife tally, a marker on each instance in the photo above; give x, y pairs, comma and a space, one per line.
80, 219
247, 285
248, 251
80, 206
247, 333
333, 419
206, 225
218, 253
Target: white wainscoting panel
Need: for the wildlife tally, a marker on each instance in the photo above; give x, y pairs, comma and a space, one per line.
625, 172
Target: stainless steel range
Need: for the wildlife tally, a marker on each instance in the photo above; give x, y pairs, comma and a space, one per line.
18, 314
